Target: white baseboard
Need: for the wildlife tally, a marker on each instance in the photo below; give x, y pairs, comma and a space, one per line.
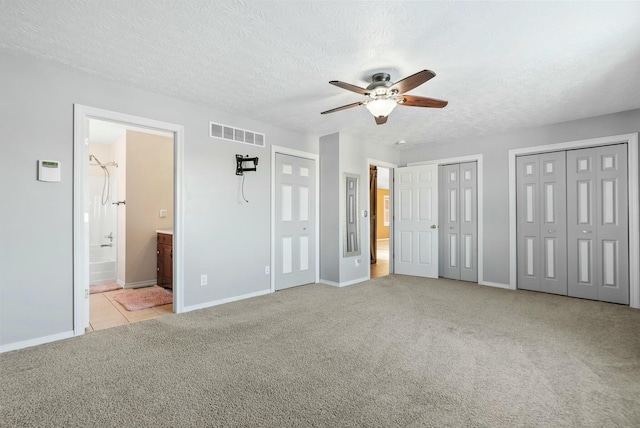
139, 284
227, 300
120, 283
496, 284
35, 342
344, 284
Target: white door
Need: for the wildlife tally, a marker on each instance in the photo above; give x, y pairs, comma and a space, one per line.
416, 221
295, 221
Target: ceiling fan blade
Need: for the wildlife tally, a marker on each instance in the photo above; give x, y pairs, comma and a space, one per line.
413, 101
342, 108
350, 87
381, 120
413, 81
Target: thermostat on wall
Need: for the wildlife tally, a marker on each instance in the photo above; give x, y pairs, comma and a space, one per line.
48, 170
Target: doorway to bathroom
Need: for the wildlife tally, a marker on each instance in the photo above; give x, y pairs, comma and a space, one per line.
130, 221
126, 193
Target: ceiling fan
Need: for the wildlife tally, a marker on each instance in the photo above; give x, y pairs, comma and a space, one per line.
384, 95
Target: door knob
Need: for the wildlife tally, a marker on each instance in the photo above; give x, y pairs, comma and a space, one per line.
433, 226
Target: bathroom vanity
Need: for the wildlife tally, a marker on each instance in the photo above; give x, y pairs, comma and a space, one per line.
165, 258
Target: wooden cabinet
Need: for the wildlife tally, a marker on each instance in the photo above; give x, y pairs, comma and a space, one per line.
165, 260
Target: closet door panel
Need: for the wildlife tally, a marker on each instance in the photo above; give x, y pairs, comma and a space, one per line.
528, 222
553, 223
612, 235
450, 224
468, 243
581, 224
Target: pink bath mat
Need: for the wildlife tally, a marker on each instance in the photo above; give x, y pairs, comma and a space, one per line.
101, 288
144, 298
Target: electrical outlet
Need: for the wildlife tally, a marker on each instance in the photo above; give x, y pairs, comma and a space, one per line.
357, 262
267, 270
203, 279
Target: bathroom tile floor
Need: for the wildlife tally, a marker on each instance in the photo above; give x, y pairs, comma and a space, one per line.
105, 312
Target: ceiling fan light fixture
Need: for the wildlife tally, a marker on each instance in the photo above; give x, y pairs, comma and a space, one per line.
381, 107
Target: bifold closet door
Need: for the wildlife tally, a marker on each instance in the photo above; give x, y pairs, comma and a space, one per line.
541, 222
598, 230
459, 224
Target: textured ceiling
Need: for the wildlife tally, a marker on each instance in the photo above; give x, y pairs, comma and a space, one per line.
501, 65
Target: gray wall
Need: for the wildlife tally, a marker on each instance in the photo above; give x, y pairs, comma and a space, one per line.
495, 149
342, 153
330, 251
224, 238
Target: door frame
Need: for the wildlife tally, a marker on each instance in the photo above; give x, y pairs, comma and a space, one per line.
305, 155
392, 168
480, 198
80, 217
634, 202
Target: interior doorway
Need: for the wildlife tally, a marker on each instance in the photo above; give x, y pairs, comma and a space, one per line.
432, 212
295, 221
295, 191
130, 195
108, 194
379, 219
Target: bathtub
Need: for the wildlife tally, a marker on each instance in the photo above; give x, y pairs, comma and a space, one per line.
102, 265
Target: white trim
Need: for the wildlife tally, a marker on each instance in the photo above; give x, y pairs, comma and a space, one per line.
226, 300
35, 342
305, 155
634, 221
346, 283
634, 205
495, 284
80, 226
392, 168
381, 163
445, 161
480, 180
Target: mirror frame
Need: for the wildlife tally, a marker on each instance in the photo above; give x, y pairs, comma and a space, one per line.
351, 235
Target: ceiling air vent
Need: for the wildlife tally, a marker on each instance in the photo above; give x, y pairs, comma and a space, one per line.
238, 135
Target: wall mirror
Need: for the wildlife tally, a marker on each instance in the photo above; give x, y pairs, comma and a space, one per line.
352, 207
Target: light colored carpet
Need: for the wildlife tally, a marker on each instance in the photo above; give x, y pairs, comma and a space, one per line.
391, 352
101, 288
143, 298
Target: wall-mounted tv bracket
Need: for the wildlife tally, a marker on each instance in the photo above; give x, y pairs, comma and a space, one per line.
240, 160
